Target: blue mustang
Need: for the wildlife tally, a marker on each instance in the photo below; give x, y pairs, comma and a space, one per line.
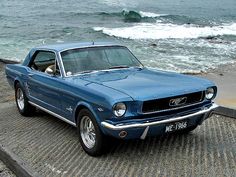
104, 90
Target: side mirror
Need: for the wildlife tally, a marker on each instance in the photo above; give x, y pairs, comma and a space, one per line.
49, 70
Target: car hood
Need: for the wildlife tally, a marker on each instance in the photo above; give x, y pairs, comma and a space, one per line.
145, 84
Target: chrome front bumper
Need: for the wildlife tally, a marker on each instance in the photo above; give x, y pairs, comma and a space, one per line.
206, 111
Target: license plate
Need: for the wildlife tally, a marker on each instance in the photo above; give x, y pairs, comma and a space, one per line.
176, 126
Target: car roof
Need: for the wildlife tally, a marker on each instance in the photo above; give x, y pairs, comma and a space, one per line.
65, 46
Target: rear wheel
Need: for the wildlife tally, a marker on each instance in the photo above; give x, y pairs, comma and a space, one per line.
91, 138
22, 103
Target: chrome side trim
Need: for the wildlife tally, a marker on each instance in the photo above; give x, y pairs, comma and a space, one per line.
53, 114
147, 123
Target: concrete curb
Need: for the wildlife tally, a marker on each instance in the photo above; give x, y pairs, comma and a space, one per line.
14, 163
224, 111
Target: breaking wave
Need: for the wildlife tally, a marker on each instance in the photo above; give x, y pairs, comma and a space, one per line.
165, 31
126, 15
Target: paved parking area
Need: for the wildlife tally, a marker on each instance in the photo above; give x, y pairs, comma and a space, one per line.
4, 171
51, 148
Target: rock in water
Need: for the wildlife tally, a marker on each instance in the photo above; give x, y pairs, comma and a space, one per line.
131, 16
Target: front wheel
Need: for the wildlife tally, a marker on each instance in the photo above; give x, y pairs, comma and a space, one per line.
22, 103
91, 138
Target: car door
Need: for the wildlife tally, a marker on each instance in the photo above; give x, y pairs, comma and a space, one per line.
43, 87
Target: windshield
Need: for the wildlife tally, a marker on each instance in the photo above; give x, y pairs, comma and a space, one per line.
84, 60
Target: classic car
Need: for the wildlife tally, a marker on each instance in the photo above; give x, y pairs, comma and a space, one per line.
105, 91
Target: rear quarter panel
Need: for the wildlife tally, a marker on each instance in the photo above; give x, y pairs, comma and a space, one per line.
16, 72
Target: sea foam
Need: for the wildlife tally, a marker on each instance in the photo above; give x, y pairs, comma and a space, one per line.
164, 31
150, 14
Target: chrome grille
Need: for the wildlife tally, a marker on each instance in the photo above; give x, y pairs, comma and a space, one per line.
172, 102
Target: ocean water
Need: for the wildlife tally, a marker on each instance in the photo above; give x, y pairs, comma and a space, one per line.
175, 35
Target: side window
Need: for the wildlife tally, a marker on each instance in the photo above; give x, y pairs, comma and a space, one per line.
45, 61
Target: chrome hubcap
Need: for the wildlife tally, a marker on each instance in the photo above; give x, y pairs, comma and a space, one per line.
87, 132
20, 99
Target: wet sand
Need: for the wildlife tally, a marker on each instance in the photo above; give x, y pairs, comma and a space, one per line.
224, 77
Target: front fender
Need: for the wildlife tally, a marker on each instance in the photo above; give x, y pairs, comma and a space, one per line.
93, 109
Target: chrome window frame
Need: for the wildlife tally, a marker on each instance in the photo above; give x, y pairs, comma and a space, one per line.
56, 60
95, 46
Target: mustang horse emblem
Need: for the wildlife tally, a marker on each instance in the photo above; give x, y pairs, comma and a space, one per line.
178, 101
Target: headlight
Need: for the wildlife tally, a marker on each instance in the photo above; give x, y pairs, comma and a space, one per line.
119, 109
210, 93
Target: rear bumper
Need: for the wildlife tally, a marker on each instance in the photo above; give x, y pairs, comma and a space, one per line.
202, 114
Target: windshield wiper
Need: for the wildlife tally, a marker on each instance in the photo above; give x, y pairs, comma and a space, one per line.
117, 67
138, 67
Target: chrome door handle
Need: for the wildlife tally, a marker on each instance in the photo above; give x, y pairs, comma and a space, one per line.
30, 75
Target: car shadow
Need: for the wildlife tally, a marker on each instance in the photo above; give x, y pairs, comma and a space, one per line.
171, 143
149, 145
